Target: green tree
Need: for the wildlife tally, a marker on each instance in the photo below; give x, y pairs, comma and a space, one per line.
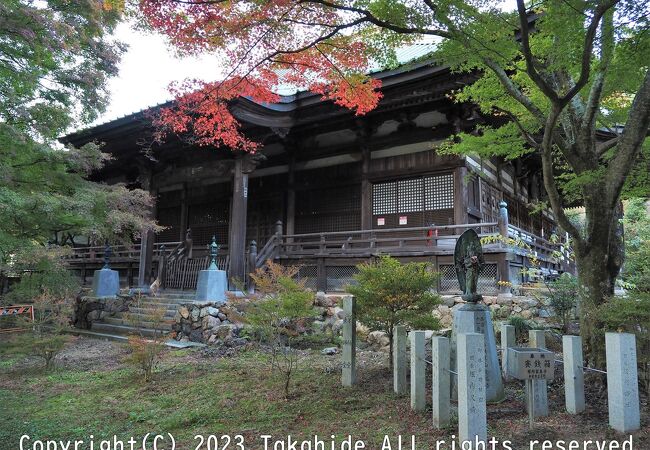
390, 293
569, 78
55, 59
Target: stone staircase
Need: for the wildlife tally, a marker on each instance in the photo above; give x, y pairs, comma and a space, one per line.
148, 316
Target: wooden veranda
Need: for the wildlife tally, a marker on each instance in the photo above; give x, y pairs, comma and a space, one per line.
328, 260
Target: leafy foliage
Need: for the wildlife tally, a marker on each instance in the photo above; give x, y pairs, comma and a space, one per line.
50, 289
145, 355
390, 293
55, 58
563, 294
636, 271
278, 307
522, 327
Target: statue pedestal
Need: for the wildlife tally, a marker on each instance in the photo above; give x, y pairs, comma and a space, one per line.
475, 318
212, 286
106, 283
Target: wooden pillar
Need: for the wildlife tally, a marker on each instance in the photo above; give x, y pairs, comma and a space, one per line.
184, 215
364, 132
366, 187
237, 235
461, 199
147, 238
291, 197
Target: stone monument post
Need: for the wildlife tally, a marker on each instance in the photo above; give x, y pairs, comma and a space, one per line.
622, 382
212, 283
537, 339
472, 411
349, 353
440, 381
474, 317
399, 360
106, 281
574, 379
508, 340
418, 371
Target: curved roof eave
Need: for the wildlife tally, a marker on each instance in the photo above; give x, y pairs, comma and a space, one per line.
263, 114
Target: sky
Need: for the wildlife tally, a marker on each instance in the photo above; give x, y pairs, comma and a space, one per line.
146, 70
149, 66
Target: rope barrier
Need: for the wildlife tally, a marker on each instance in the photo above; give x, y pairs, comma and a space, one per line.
591, 369
431, 364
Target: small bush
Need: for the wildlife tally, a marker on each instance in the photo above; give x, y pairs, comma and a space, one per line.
563, 294
145, 351
282, 302
145, 355
522, 327
50, 288
390, 293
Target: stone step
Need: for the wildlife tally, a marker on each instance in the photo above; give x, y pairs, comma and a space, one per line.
152, 305
164, 300
143, 317
169, 312
97, 335
123, 330
140, 324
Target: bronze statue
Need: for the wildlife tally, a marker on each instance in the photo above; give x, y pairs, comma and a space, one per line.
468, 260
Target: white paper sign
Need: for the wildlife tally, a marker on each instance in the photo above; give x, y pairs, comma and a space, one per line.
381, 221
403, 220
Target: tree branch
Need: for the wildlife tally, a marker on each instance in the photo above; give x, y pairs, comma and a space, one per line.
371, 18
528, 54
595, 94
549, 180
602, 148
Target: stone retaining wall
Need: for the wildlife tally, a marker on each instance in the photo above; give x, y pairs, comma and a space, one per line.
208, 323
90, 309
501, 307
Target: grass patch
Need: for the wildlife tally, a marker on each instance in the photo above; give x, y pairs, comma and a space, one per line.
194, 395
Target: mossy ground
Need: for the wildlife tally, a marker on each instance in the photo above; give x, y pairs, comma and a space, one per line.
95, 392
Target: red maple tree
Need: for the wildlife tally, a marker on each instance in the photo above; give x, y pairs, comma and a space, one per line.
265, 45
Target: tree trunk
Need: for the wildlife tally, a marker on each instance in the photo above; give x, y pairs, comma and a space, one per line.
598, 263
390, 352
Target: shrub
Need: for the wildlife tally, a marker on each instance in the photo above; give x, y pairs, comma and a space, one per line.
50, 288
563, 294
280, 303
632, 315
522, 327
145, 354
145, 351
390, 293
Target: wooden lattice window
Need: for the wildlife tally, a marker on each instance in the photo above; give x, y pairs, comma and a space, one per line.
439, 192
410, 195
413, 195
384, 198
414, 202
328, 209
